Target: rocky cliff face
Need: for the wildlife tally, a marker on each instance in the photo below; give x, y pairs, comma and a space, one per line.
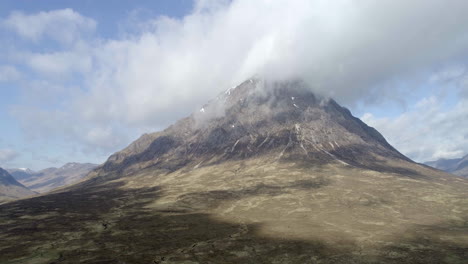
282, 120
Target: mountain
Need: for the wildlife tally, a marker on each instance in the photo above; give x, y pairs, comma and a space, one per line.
447, 165
455, 166
21, 173
287, 122
52, 178
10, 189
267, 172
462, 167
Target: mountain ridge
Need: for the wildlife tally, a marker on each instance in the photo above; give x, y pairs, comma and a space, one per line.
51, 178
457, 166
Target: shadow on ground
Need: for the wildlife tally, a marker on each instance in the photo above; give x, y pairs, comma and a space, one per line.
108, 224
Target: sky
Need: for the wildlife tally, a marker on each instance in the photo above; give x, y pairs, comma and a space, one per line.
80, 80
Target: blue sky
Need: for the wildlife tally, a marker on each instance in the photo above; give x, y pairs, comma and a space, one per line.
109, 14
80, 80
111, 18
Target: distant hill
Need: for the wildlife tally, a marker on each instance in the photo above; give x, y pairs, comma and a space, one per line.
455, 166
51, 178
10, 189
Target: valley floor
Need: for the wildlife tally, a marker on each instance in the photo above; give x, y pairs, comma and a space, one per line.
244, 213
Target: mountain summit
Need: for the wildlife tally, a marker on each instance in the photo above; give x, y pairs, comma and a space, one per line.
264, 173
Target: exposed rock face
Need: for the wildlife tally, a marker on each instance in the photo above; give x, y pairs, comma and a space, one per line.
280, 120
455, 166
10, 189
52, 178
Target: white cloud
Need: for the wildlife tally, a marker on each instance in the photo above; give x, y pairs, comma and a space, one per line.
61, 25
104, 137
45, 125
59, 64
450, 74
9, 73
455, 75
7, 155
167, 67
428, 131
343, 49
42, 92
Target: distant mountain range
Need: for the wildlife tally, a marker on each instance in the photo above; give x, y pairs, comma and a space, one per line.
455, 166
11, 189
51, 178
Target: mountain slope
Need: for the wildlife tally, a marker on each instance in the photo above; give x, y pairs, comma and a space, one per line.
52, 178
462, 167
265, 173
10, 189
455, 166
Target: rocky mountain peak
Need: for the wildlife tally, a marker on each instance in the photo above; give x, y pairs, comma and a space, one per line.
276, 120
69, 165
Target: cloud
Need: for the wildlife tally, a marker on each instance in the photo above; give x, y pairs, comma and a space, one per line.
9, 73
51, 161
165, 68
351, 51
7, 155
43, 93
60, 25
428, 131
58, 64
44, 125
455, 76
